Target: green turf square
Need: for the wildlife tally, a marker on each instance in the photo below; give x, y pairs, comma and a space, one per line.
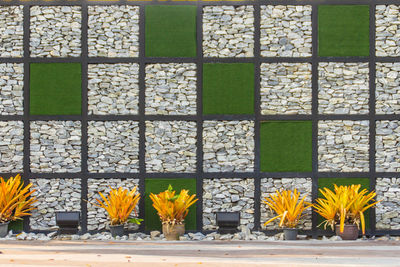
329, 183
152, 221
285, 146
343, 30
228, 88
55, 88
170, 31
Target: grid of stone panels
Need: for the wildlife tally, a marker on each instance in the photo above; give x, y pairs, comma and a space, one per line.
290, 44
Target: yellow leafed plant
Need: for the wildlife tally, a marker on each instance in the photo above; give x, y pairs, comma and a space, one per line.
344, 205
119, 205
172, 208
15, 200
288, 207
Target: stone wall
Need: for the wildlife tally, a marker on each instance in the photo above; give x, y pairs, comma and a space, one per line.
142, 102
228, 195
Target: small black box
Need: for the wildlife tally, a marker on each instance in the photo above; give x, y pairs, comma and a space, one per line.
68, 221
228, 222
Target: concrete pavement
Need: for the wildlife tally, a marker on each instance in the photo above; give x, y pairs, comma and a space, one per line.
210, 253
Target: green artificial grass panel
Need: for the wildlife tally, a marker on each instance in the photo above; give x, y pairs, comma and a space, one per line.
343, 30
55, 88
228, 88
16, 226
152, 221
285, 146
170, 31
329, 183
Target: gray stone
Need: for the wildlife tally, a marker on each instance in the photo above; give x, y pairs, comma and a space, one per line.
343, 88
228, 31
387, 30
243, 188
12, 33
54, 32
54, 195
343, 146
113, 89
11, 146
59, 145
286, 31
113, 146
285, 88
169, 146
228, 146
171, 89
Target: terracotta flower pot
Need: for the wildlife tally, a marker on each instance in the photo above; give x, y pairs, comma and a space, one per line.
173, 231
350, 231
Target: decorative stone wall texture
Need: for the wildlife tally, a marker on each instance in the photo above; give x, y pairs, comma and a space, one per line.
113, 146
11, 89
11, 146
387, 88
387, 211
97, 217
343, 146
55, 146
171, 89
228, 146
285, 88
230, 195
113, 31
270, 185
228, 31
12, 32
171, 146
286, 31
113, 89
54, 195
388, 146
343, 88
55, 31
387, 21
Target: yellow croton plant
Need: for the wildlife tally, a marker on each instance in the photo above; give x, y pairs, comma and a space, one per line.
172, 208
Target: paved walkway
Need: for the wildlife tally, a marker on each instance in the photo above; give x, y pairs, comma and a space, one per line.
189, 254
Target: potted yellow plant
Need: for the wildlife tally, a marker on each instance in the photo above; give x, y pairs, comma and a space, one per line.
289, 209
343, 209
172, 209
15, 201
119, 205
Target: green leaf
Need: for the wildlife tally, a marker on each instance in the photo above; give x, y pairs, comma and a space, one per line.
135, 221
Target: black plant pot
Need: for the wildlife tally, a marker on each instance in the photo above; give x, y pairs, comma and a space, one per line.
290, 233
117, 230
4, 229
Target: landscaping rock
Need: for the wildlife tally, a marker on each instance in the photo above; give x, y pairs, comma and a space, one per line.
228, 31
55, 31
12, 32
113, 31
286, 31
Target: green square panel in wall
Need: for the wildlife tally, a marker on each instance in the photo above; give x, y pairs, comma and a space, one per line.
343, 30
152, 221
228, 88
285, 146
329, 183
55, 88
170, 31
